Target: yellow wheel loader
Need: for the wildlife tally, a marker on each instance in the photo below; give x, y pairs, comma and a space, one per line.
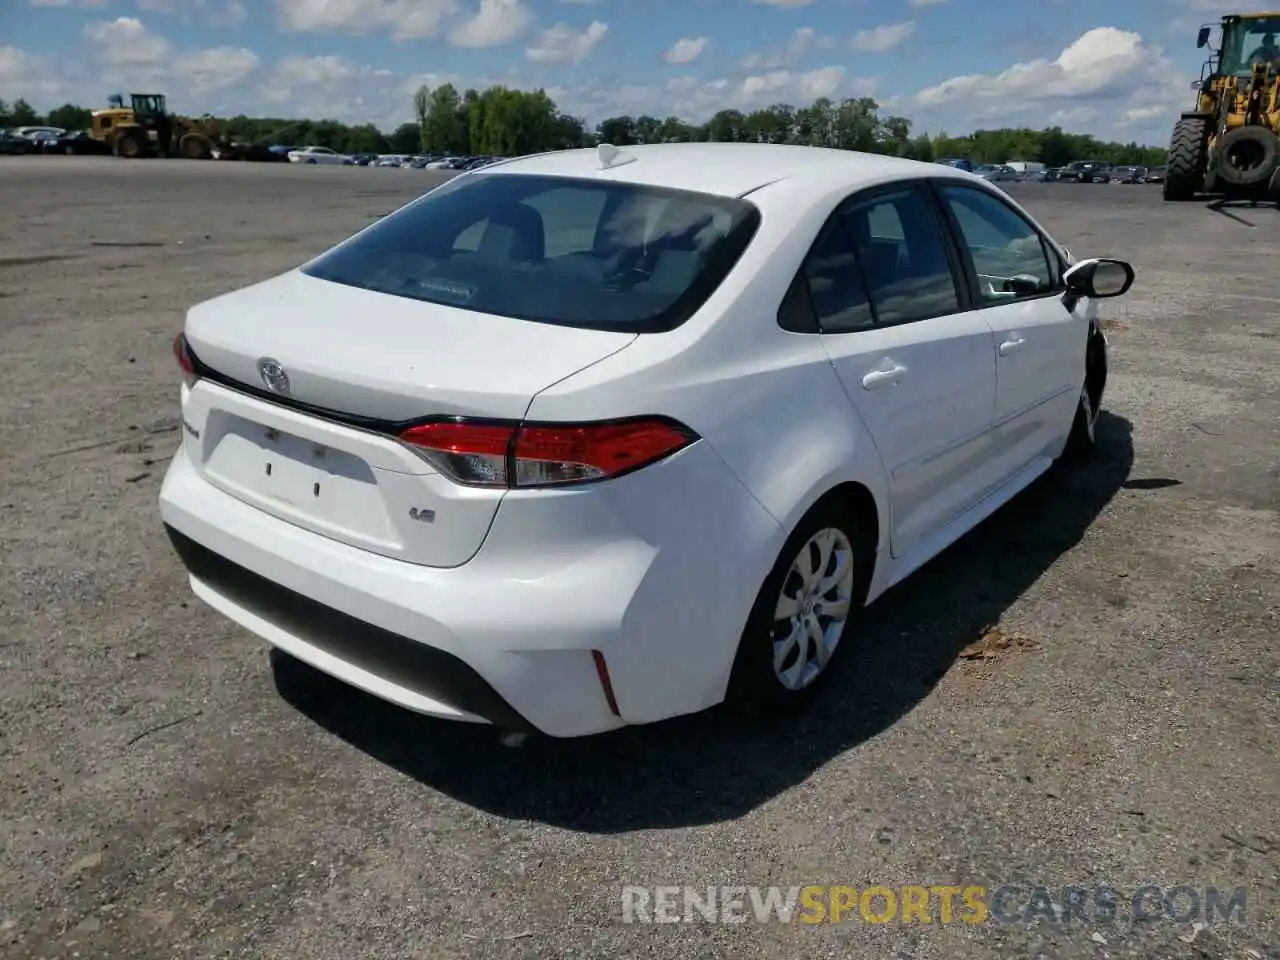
1228, 145
145, 128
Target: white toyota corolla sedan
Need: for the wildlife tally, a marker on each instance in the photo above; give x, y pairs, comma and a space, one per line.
600, 437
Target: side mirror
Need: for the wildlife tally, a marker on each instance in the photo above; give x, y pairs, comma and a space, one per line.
1202, 39
1099, 278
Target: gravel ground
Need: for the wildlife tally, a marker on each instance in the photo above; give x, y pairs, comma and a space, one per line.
168, 789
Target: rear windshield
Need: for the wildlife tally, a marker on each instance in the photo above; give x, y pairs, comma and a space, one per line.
568, 251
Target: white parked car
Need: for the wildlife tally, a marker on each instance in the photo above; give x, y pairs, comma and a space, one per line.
40, 133
320, 155
619, 435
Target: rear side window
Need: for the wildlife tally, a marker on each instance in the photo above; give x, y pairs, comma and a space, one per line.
900, 245
574, 252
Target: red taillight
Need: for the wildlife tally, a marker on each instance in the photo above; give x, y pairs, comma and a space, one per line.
182, 355
539, 455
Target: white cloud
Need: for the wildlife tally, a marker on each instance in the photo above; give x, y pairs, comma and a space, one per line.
563, 44
127, 41
494, 24
884, 37
228, 13
695, 98
799, 46
216, 69
32, 78
403, 19
685, 50
1099, 63
1141, 87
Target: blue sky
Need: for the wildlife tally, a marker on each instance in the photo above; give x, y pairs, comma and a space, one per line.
1115, 69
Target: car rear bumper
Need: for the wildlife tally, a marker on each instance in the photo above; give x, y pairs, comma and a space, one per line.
509, 638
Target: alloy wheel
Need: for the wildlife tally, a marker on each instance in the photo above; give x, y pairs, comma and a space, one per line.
813, 608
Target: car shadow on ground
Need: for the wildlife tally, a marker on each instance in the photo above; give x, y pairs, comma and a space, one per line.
713, 767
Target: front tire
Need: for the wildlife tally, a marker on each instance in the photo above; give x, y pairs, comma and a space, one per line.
1188, 159
803, 613
1082, 441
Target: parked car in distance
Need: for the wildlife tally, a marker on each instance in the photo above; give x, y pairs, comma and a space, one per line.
960, 163
79, 143
392, 160
1051, 174
1156, 175
1085, 171
997, 173
512, 492
14, 145
315, 155
38, 133
1128, 174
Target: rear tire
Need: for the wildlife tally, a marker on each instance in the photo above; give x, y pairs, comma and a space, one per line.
803, 613
1188, 159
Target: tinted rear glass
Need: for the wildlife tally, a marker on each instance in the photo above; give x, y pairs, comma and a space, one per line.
568, 251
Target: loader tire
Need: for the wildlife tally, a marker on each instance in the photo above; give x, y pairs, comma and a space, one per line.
1188, 159
1247, 156
130, 146
194, 147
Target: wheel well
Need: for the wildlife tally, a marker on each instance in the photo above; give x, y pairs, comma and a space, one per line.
859, 499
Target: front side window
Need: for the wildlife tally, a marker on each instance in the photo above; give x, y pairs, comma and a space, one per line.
577, 252
1008, 253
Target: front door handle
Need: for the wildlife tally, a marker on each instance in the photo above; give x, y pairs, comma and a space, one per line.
1011, 346
880, 378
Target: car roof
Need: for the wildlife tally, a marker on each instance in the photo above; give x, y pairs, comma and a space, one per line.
724, 169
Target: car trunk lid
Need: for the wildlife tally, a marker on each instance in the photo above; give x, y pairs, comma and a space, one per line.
317, 446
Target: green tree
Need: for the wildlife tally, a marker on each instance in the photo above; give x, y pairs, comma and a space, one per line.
22, 114
407, 138
69, 117
504, 122
422, 110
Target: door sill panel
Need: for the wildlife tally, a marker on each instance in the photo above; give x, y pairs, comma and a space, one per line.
987, 504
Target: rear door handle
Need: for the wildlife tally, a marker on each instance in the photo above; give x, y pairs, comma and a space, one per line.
1011, 346
880, 378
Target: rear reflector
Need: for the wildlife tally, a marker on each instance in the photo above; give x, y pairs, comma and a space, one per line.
606, 683
541, 455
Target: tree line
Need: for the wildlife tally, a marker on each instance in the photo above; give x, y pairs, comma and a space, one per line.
500, 121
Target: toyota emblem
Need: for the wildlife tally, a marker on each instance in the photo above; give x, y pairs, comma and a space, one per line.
273, 376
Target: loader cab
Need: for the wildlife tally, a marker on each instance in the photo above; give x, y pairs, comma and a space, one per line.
149, 104
151, 112
1245, 41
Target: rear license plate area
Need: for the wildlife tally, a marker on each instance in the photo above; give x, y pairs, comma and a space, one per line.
322, 487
